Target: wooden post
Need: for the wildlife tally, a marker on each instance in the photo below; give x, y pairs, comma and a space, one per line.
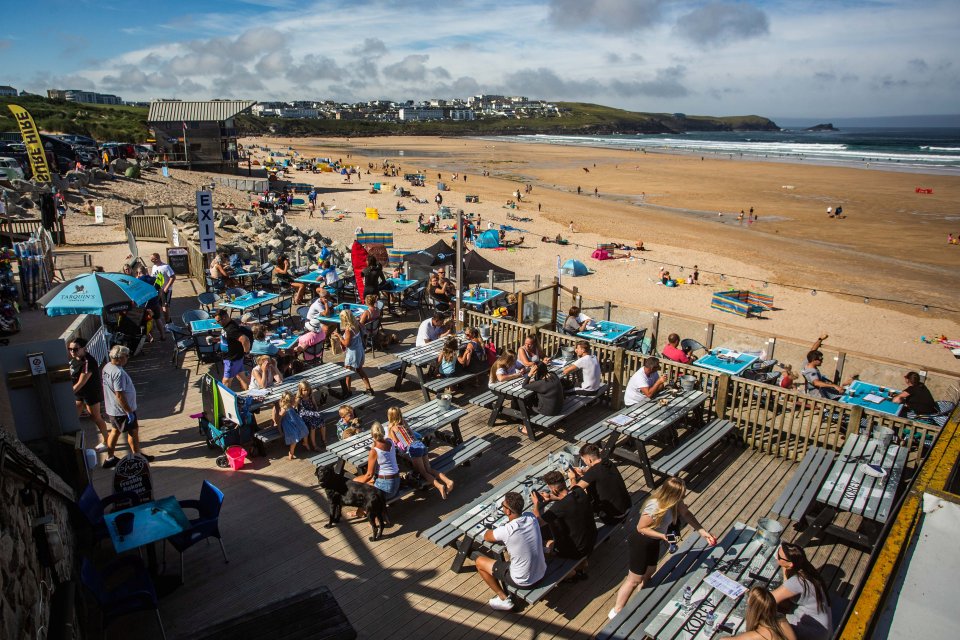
536, 281
708, 335
520, 317
458, 306
723, 386
771, 347
489, 276
553, 303
654, 331
615, 401
838, 374
606, 311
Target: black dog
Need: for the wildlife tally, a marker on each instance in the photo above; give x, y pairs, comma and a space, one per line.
340, 492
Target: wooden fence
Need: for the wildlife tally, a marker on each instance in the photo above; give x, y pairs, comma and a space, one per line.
149, 227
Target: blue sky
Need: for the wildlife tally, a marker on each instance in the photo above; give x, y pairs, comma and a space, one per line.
780, 59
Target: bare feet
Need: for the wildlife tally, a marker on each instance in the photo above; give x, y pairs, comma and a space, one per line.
449, 484
359, 513
441, 488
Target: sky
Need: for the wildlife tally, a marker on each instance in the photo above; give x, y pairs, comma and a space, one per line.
777, 58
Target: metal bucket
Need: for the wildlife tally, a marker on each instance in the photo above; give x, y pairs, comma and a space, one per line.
883, 436
688, 383
567, 353
768, 532
485, 332
444, 401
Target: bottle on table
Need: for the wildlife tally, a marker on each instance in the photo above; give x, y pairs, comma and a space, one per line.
687, 598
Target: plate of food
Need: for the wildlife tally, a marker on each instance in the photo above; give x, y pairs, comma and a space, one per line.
873, 470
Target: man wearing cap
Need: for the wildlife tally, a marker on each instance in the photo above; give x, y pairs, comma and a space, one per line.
315, 334
644, 384
120, 402
238, 345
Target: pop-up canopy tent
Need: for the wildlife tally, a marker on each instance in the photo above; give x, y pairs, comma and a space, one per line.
488, 240
433, 256
574, 268
476, 268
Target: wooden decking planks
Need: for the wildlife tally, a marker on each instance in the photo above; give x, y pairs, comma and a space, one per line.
274, 521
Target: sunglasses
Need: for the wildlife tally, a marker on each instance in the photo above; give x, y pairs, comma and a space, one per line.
73, 349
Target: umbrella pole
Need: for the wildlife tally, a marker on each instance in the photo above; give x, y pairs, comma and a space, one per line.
458, 306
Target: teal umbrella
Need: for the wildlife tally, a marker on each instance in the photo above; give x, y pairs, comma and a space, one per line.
97, 293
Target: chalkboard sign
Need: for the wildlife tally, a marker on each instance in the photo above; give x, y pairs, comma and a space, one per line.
132, 473
178, 260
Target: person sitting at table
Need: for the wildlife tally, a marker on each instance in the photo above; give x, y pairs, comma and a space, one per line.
430, 329
916, 396
315, 334
529, 352
589, 367
220, 272
382, 469
662, 509
506, 368
410, 443
447, 358
433, 282
291, 425
603, 483
763, 621
265, 374
373, 277
371, 314
308, 403
527, 564
570, 530
474, 355
261, 344
328, 273
576, 321
644, 384
805, 593
547, 386
673, 351
322, 306
353, 352
283, 275
348, 420
815, 383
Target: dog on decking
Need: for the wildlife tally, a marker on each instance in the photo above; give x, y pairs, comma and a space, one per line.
342, 492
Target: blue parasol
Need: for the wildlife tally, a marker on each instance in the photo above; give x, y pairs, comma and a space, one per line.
97, 293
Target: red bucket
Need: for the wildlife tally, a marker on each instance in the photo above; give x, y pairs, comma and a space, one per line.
236, 456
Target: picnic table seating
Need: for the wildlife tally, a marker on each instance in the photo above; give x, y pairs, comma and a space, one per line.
437, 385
692, 448
646, 602
801, 490
571, 405
270, 434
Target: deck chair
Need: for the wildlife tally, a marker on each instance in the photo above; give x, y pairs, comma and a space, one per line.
692, 345
207, 300
194, 314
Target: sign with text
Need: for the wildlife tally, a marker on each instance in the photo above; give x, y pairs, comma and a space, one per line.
98, 214
176, 237
37, 365
208, 232
132, 474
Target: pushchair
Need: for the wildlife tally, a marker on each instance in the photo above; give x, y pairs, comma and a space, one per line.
224, 421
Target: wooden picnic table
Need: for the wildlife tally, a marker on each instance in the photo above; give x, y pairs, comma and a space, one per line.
850, 487
641, 423
320, 376
738, 556
519, 397
426, 419
420, 358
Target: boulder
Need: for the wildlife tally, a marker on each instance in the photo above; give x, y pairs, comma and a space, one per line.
275, 243
186, 216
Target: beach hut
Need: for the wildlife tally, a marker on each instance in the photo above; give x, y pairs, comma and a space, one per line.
741, 303
476, 269
574, 268
488, 240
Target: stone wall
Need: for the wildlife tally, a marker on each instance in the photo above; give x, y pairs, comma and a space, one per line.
26, 585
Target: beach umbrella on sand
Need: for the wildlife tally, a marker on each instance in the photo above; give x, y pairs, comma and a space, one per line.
97, 293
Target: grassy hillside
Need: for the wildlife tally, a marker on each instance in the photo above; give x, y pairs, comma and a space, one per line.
128, 124
103, 122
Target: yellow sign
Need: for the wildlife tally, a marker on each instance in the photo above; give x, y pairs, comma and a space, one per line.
31, 139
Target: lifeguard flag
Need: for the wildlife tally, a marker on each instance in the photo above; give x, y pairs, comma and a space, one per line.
31, 140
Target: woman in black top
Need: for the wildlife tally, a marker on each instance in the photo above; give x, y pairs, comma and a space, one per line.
282, 271
546, 385
372, 277
916, 396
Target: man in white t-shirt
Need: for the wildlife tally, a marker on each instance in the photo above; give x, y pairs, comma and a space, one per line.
163, 276
527, 564
589, 368
644, 384
430, 329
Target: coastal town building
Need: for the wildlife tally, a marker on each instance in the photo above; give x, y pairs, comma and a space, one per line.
86, 97
197, 134
6, 91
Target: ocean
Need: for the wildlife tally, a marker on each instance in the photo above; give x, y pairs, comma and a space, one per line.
921, 150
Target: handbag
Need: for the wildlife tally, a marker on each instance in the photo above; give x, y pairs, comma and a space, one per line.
336, 346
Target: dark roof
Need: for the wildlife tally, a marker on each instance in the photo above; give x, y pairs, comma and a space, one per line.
476, 267
199, 111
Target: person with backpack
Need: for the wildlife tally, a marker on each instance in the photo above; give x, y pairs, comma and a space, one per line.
474, 356
238, 341
163, 279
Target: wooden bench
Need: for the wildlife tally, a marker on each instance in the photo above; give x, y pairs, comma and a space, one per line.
801, 490
692, 448
486, 399
271, 434
558, 570
571, 405
647, 602
457, 456
437, 385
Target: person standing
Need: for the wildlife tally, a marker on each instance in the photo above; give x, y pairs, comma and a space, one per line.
352, 341
87, 386
163, 279
120, 401
238, 345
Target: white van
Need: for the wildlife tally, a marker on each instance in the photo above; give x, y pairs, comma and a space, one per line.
10, 169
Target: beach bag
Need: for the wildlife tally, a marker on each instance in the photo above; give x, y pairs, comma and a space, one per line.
491, 351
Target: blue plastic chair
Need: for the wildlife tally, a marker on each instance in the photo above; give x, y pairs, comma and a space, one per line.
207, 525
134, 593
93, 507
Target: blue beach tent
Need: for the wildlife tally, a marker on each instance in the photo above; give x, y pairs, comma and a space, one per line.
574, 268
488, 240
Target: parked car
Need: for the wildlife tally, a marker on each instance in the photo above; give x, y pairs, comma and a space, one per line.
10, 169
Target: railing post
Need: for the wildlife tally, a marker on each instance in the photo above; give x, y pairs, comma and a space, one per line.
838, 374
723, 387
771, 347
536, 281
708, 335
654, 331
617, 378
490, 279
520, 317
554, 299
606, 311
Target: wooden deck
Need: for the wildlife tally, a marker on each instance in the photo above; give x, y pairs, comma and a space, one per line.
274, 518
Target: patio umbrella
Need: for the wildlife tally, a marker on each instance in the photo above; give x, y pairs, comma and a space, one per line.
97, 293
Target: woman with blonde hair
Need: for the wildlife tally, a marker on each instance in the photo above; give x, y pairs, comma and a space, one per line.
506, 368
288, 420
352, 342
662, 509
382, 469
763, 622
308, 401
410, 442
265, 374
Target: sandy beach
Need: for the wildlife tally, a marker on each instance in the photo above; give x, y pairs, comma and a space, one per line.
892, 244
